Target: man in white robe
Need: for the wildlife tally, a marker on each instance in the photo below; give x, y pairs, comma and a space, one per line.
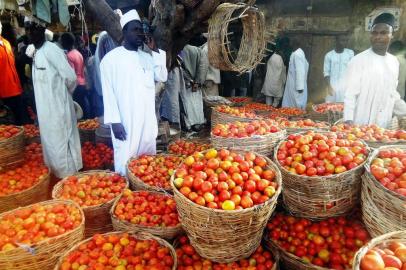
371, 80
128, 76
335, 65
54, 81
275, 79
296, 85
210, 74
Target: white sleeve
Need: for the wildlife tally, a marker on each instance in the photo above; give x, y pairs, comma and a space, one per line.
352, 90
111, 111
57, 58
327, 65
300, 66
160, 71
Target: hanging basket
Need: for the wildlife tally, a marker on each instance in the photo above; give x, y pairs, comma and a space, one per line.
190, 4
12, 150
225, 236
253, 41
98, 218
383, 210
34, 194
44, 254
263, 145
398, 236
160, 231
320, 197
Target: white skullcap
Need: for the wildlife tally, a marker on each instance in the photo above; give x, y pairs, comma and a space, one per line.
131, 15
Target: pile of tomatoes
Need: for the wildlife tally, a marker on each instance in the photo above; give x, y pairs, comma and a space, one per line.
8, 131
147, 209
325, 107
259, 107
226, 180
25, 176
184, 147
371, 133
245, 129
239, 99
329, 243
32, 224
387, 256
234, 111
92, 189
305, 123
31, 131
89, 124
155, 170
189, 259
119, 252
320, 154
389, 168
96, 156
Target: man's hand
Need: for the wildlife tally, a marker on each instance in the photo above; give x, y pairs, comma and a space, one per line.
150, 41
300, 91
119, 131
330, 90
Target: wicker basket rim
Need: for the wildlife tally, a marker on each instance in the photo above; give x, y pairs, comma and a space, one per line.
42, 179
317, 177
145, 235
281, 131
113, 215
60, 183
367, 166
54, 201
21, 132
257, 117
278, 178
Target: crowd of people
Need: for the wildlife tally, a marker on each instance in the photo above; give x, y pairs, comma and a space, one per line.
130, 85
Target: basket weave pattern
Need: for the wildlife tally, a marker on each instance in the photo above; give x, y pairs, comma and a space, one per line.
224, 118
12, 150
47, 251
225, 236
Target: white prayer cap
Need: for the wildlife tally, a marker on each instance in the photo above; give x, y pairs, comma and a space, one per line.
131, 15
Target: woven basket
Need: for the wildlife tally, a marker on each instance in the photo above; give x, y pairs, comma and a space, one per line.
399, 236
162, 232
137, 184
98, 218
319, 197
45, 253
12, 150
190, 4
224, 118
87, 135
225, 236
253, 42
288, 260
383, 210
329, 116
300, 130
402, 122
137, 235
263, 145
34, 194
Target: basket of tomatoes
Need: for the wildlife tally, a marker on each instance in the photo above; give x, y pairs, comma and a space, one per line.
386, 251
120, 251
188, 258
12, 146
95, 192
152, 172
148, 211
328, 112
258, 136
321, 173
87, 130
302, 125
186, 147
225, 114
303, 244
383, 193
224, 199
25, 184
31, 133
35, 236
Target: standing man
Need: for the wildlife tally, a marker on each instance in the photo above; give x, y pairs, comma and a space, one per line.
54, 81
10, 87
275, 79
372, 78
335, 64
128, 76
296, 85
